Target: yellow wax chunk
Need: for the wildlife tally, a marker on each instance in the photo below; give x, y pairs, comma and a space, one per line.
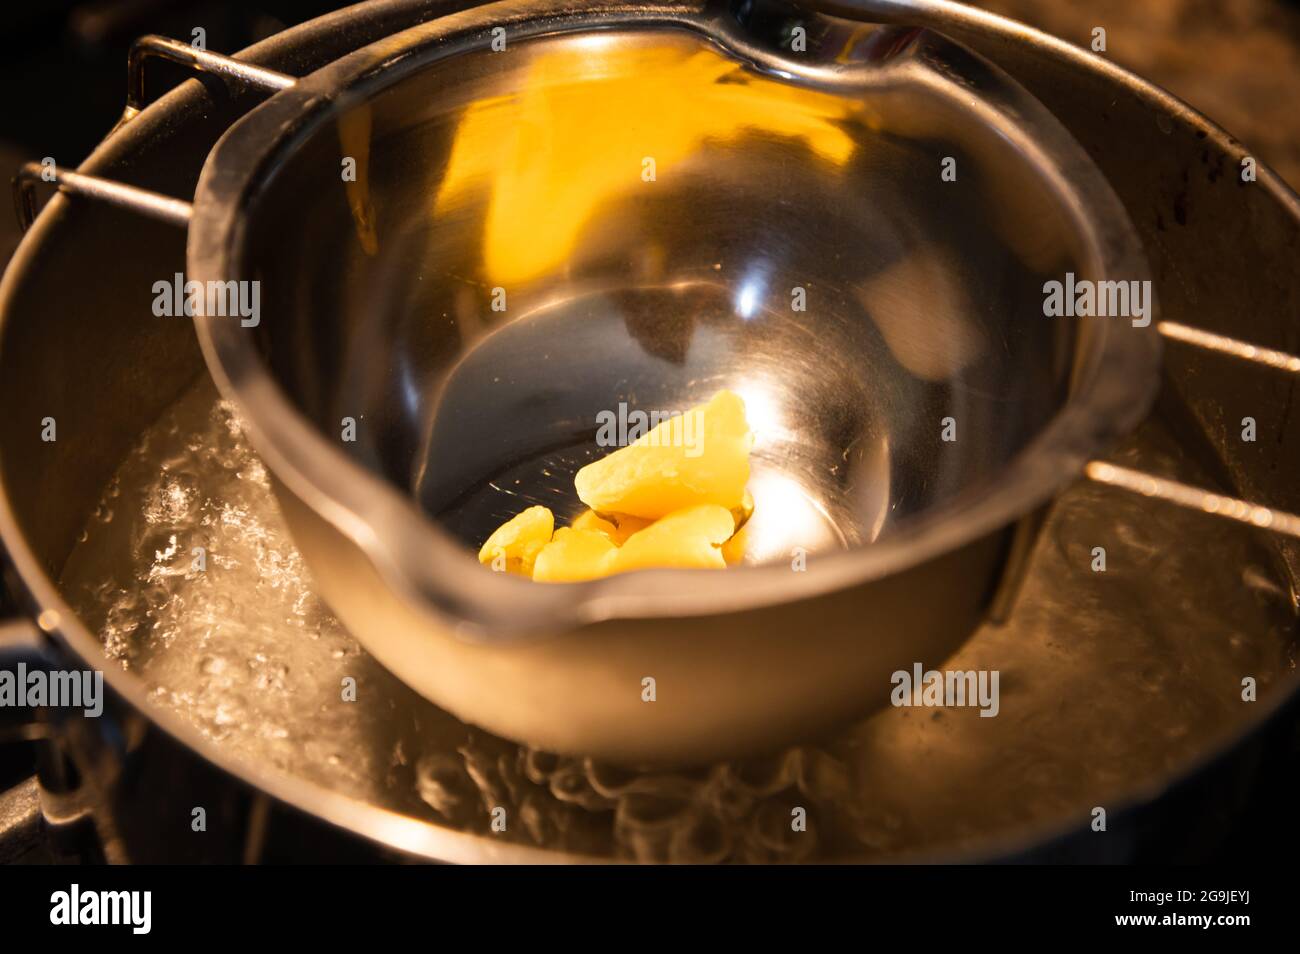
742, 513
628, 525
733, 551
698, 457
590, 520
617, 526
574, 554
516, 543
689, 538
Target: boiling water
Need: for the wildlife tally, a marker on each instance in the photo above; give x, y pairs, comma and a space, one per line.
1108, 680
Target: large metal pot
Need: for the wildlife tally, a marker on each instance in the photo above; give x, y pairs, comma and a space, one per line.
929, 310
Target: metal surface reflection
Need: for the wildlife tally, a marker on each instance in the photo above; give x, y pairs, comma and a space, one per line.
591, 123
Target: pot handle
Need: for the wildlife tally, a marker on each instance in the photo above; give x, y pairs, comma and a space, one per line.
1196, 498
1193, 498
153, 205
235, 73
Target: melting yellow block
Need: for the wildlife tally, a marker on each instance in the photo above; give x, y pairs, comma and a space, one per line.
733, 551
590, 520
742, 513
698, 457
674, 498
574, 554
517, 542
617, 526
690, 538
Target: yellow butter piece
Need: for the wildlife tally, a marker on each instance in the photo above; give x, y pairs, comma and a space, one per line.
627, 525
698, 457
617, 526
742, 513
674, 498
689, 538
590, 520
733, 551
574, 554
518, 541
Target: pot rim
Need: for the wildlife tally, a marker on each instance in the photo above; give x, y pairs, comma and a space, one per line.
421, 562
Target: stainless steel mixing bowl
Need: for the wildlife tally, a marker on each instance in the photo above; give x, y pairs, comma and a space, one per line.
646, 188
523, 172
